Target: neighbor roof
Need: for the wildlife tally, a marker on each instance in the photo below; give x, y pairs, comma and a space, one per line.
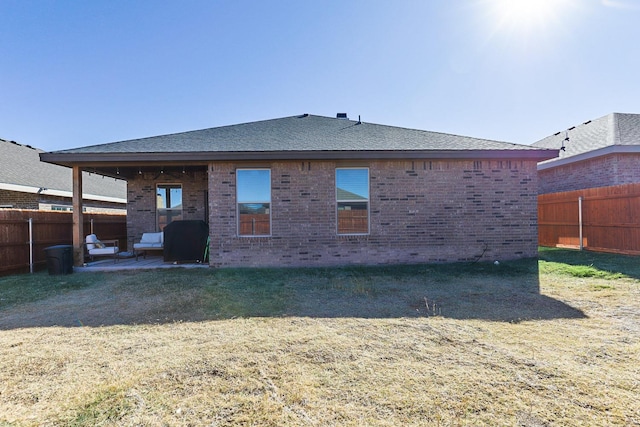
21, 170
613, 133
305, 136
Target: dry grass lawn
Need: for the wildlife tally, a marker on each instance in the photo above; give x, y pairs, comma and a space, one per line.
507, 345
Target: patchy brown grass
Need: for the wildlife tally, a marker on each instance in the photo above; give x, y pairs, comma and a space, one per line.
471, 361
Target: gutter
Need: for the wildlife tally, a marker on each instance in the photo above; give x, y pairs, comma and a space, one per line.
121, 159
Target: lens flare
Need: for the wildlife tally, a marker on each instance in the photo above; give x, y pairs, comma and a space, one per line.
526, 16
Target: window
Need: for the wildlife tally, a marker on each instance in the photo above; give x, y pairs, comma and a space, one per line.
168, 203
253, 188
352, 196
61, 208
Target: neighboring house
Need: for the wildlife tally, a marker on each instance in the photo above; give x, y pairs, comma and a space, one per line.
589, 195
318, 191
28, 183
598, 153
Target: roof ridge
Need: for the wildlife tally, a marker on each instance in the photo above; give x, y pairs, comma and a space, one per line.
422, 130
614, 129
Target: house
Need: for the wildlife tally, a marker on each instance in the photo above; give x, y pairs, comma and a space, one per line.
589, 195
597, 153
319, 191
28, 183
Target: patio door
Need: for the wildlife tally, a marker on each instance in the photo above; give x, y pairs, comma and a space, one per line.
168, 204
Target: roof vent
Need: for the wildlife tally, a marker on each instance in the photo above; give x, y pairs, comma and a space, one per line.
342, 116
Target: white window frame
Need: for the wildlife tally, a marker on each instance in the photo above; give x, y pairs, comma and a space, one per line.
367, 201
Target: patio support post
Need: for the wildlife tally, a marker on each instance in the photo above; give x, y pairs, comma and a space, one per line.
78, 219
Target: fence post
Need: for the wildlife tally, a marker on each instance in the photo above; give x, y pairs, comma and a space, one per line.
31, 245
580, 220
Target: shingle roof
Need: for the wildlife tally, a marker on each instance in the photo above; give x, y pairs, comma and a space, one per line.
342, 194
304, 133
613, 130
22, 170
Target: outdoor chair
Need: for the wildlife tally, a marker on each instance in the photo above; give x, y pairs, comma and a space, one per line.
101, 248
149, 242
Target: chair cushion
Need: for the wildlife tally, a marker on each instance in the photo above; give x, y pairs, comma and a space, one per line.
144, 245
152, 238
91, 240
104, 251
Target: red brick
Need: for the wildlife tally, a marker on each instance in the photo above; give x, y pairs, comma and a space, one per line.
603, 171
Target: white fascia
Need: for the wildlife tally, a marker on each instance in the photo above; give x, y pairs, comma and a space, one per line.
612, 149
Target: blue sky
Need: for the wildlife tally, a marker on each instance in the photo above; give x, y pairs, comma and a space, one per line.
75, 73
254, 185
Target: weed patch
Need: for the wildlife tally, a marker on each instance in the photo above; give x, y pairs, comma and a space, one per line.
108, 406
589, 264
578, 270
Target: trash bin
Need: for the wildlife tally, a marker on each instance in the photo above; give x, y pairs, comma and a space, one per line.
59, 259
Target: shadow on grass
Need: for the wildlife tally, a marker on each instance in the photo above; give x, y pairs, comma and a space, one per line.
595, 263
509, 292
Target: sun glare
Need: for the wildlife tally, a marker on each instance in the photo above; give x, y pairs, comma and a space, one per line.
526, 16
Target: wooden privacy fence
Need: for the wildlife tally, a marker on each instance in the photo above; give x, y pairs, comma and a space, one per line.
349, 222
353, 221
48, 229
255, 225
607, 219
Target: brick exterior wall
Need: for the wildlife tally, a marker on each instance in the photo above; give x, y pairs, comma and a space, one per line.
603, 171
19, 200
420, 211
22, 200
141, 201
